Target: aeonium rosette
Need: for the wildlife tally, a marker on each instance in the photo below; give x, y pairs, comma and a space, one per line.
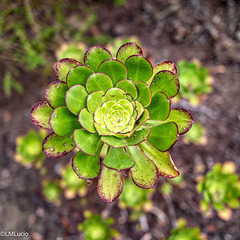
117, 113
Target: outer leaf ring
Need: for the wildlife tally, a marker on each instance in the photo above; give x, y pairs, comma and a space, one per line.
64, 60
58, 156
86, 53
34, 121
140, 151
177, 82
101, 196
74, 67
72, 164
129, 43
47, 92
175, 140
190, 115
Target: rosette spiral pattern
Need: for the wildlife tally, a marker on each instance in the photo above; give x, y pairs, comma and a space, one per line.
117, 113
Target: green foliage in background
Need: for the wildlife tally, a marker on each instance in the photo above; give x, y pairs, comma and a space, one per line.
96, 228
196, 135
195, 81
221, 190
9, 83
136, 199
29, 148
52, 191
181, 232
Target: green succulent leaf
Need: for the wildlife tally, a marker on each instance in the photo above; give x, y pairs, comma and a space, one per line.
138, 68
164, 136
166, 65
114, 142
55, 146
95, 56
75, 103
118, 159
78, 75
115, 94
126, 105
144, 93
160, 107
40, 114
63, 122
94, 101
127, 50
144, 117
63, 66
138, 137
182, 118
137, 110
98, 82
114, 69
85, 166
129, 88
86, 120
166, 82
162, 160
87, 142
102, 130
110, 184
144, 173
55, 94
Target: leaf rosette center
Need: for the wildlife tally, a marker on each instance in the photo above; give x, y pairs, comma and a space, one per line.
115, 115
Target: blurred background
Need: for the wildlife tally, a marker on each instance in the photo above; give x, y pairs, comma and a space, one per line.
43, 197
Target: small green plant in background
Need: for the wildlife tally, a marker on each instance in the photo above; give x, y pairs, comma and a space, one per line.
52, 192
71, 50
29, 148
122, 105
195, 81
221, 190
71, 184
181, 232
96, 228
136, 199
196, 135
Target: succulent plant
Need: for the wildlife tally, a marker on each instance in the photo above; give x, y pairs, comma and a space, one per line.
221, 190
96, 228
181, 232
196, 82
52, 191
118, 110
29, 148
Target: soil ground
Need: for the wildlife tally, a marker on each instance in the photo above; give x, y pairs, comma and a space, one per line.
206, 30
